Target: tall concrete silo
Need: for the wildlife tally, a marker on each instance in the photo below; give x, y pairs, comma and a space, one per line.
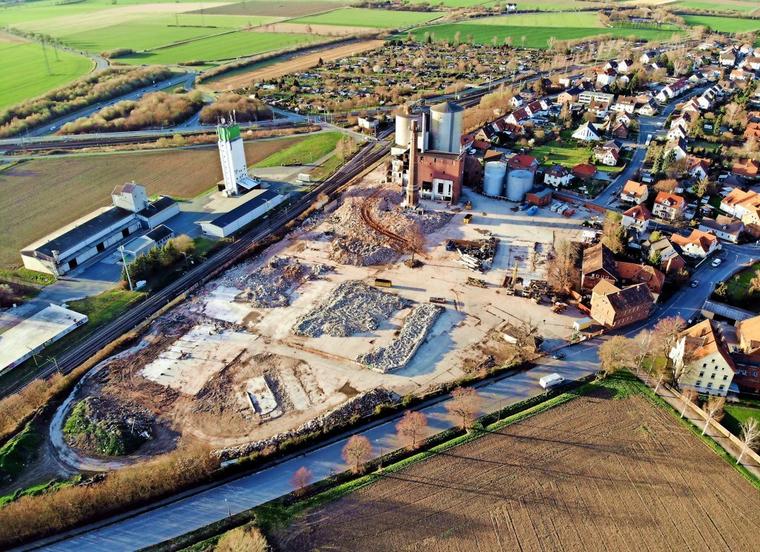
446, 127
493, 178
403, 129
519, 183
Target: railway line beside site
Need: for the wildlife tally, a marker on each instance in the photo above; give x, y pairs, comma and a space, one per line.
82, 351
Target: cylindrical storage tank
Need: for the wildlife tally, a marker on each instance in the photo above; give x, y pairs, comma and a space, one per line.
403, 133
519, 183
446, 127
493, 178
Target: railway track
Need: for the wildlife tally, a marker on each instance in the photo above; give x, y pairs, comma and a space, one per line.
82, 351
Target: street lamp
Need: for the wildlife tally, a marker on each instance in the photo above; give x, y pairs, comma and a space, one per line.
126, 267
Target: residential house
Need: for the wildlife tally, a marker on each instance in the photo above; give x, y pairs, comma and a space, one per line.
668, 206
678, 148
613, 307
677, 132
606, 77
648, 57
570, 95
752, 131
557, 176
637, 218
624, 104
737, 202
584, 171
598, 264
698, 167
599, 108
740, 75
587, 96
635, 273
727, 58
708, 366
747, 168
619, 130
725, 228
753, 62
607, 156
747, 373
649, 109
634, 192
587, 132
698, 244
523, 161
667, 255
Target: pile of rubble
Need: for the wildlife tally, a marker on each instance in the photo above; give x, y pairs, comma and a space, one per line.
357, 407
351, 308
412, 334
272, 285
475, 254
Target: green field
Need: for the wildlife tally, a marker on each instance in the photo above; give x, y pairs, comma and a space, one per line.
735, 415
451, 3
222, 47
720, 5
724, 24
535, 37
552, 5
24, 62
573, 20
362, 17
305, 152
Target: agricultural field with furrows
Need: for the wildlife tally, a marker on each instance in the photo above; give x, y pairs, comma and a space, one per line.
724, 24
576, 20
222, 47
35, 188
362, 17
35, 71
597, 473
529, 37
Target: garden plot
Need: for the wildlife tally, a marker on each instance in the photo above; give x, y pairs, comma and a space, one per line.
196, 356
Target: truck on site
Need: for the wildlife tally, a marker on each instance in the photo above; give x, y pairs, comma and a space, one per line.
304, 177
550, 381
583, 323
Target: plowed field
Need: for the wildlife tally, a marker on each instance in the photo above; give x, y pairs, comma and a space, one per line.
593, 474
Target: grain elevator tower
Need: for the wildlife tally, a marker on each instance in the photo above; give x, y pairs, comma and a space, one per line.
232, 155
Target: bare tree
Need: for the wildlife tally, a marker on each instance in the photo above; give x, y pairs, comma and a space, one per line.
562, 274
301, 479
750, 436
614, 355
357, 452
415, 240
411, 428
689, 396
665, 334
714, 410
754, 284
640, 347
464, 405
613, 233
242, 538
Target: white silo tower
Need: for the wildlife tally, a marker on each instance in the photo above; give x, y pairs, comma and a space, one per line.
403, 130
493, 178
446, 127
519, 183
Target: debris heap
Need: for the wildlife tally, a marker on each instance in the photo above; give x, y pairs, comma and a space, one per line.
412, 334
272, 285
351, 308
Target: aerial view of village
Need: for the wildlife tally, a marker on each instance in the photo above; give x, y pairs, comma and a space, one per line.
379, 275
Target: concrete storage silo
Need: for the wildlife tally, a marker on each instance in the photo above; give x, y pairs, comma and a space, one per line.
493, 178
446, 127
519, 183
403, 132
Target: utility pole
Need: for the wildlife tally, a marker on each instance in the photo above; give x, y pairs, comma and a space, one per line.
44, 55
126, 267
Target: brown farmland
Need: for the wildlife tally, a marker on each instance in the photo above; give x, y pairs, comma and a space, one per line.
274, 8
31, 192
594, 474
292, 65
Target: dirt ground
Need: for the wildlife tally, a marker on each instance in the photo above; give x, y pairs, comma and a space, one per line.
292, 8
294, 64
594, 474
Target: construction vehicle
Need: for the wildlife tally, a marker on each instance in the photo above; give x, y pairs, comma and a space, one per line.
382, 282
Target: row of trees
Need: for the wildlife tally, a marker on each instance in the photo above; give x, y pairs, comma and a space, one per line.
158, 109
102, 86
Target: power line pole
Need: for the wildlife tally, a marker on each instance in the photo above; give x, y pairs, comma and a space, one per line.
44, 55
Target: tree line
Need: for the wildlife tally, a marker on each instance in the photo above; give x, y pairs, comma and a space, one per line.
245, 109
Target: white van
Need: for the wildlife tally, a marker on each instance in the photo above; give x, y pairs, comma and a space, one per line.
552, 380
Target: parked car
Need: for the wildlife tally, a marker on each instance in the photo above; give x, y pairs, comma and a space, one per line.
552, 380
716, 262
694, 283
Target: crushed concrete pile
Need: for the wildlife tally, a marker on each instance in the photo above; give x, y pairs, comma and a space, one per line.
428, 221
272, 285
351, 308
412, 334
360, 406
360, 252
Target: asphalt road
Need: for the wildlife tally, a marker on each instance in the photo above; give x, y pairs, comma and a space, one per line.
213, 504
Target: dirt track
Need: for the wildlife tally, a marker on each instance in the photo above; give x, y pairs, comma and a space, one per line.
298, 63
595, 474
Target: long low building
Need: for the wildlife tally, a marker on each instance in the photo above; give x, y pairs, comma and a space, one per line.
230, 222
91, 235
33, 334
